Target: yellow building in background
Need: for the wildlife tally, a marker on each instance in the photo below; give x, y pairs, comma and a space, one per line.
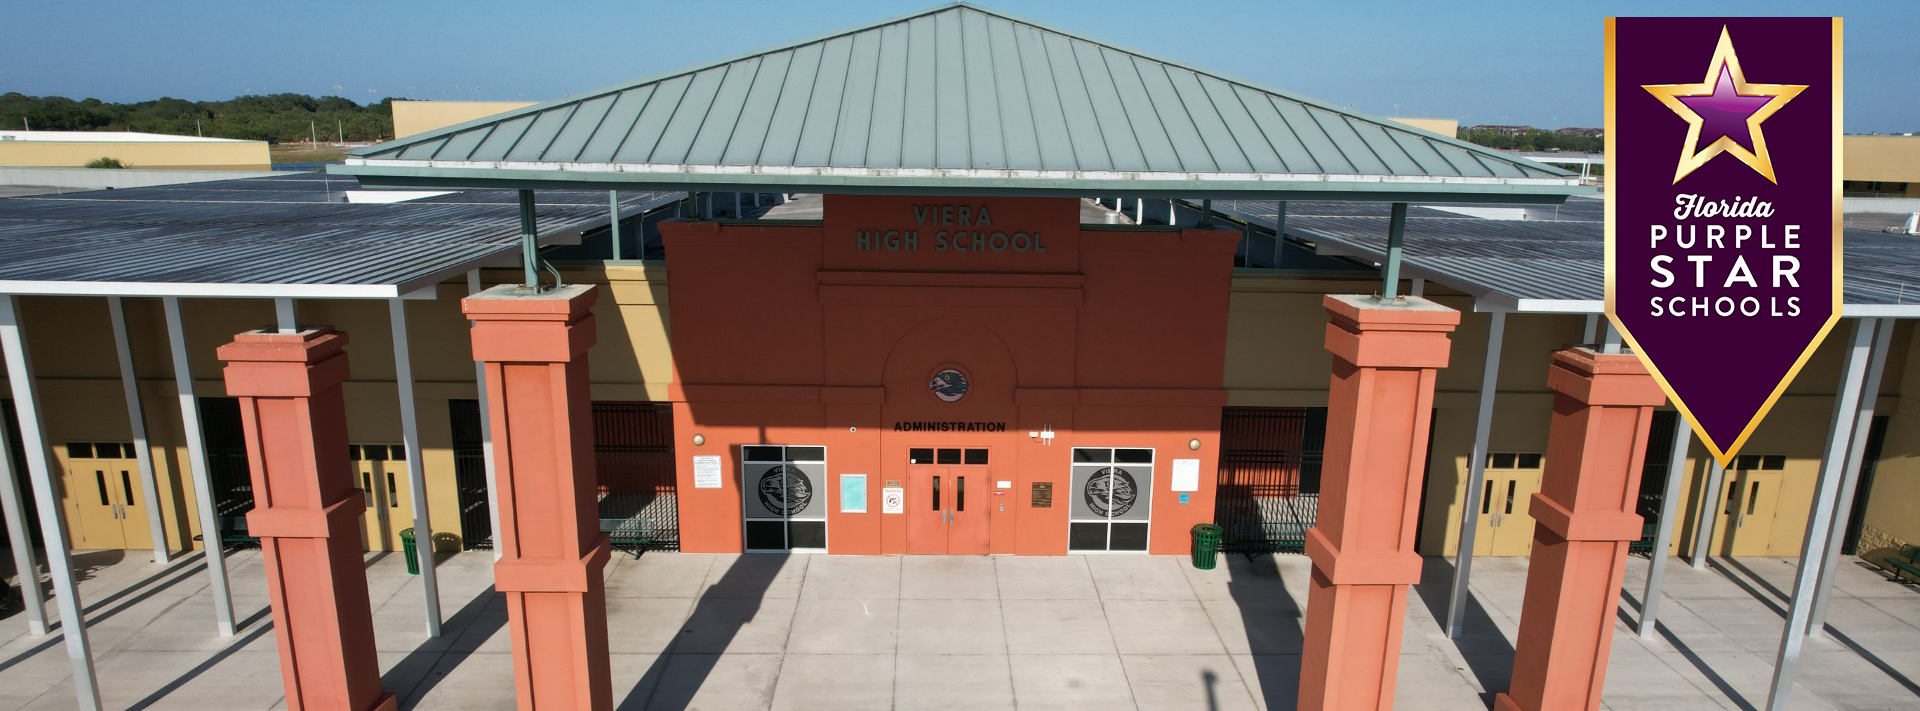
1445, 127
75, 149
415, 117
1881, 166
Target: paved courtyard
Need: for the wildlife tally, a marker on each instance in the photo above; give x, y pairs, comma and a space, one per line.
1095, 632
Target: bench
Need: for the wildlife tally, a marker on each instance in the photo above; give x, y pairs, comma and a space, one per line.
632, 535
1907, 562
1644, 546
1270, 537
233, 533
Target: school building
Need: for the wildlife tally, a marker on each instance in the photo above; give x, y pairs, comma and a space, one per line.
949, 284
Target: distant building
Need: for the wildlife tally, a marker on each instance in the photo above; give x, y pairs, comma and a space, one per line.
1508, 130
1444, 127
75, 149
416, 117
1881, 166
1575, 131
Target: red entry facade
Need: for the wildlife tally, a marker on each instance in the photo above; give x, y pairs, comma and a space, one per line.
833, 372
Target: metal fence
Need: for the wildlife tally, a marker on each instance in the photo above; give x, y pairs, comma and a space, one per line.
1269, 478
633, 453
470, 475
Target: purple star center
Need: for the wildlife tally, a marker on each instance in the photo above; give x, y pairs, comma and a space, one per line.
1724, 112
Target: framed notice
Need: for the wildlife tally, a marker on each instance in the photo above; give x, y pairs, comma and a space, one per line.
1186, 475
893, 500
706, 472
853, 493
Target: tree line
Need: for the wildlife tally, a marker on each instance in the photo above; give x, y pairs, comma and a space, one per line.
1535, 140
274, 117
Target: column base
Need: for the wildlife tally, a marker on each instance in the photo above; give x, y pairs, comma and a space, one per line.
1503, 702
386, 702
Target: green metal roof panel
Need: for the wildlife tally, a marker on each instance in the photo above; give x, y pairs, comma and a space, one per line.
956, 95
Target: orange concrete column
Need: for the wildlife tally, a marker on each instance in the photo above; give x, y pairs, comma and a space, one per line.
306, 511
1378, 411
1583, 519
534, 347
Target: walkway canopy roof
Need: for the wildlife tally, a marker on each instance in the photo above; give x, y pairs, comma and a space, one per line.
1553, 260
291, 236
959, 100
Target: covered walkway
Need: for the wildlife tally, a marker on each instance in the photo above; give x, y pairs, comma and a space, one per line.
812, 631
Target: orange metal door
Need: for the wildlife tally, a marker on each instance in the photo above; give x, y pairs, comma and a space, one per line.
967, 523
929, 503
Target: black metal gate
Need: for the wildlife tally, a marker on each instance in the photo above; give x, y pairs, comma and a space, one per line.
470, 475
1269, 485
633, 452
227, 468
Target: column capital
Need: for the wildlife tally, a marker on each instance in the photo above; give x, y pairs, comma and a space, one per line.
266, 363
510, 326
1410, 332
1603, 379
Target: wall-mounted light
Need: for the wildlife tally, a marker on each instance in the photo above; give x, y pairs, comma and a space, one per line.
1193, 443
699, 439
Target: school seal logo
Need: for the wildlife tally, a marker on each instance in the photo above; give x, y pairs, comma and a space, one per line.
949, 385
1111, 492
785, 490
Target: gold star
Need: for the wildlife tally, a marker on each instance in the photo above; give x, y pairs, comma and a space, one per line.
1725, 65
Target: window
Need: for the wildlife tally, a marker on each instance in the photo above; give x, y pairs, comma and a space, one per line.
784, 491
1514, 460
1111, 499
924, 455
1760, 462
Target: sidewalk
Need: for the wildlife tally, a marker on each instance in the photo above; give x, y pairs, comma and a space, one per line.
1099, 631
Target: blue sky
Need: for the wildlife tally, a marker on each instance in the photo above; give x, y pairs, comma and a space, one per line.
1495, 62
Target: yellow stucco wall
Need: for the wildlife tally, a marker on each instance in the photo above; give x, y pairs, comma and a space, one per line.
185, 155
1882, 158
412, 117
1893, 508
1444, 127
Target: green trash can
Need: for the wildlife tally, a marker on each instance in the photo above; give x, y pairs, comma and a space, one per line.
413, 556
1206, 545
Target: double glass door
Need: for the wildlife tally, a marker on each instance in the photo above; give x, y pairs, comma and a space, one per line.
381, 471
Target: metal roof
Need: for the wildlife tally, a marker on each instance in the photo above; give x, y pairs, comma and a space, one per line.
283, 236
1548, 265
959, 99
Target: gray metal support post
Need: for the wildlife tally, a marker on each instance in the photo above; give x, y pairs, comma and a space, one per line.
416, 472
486, 433
1710, 500
1206, 213
1592, 329
1610, 343
137, 424
32, 596
1396, 235
197, 461
736, 206
1663, 532
1476, 474
53, 516
613, 220
283, 316
1139, 211
1850, 481
529, 242
1419, 287
1813, 549
1279, 229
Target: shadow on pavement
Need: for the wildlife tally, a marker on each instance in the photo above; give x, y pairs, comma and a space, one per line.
729, 604
1271, 616
1487, 651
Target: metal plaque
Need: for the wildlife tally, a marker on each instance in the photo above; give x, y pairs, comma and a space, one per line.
1043, 494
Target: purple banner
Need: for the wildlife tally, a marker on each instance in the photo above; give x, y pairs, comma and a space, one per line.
1723, 206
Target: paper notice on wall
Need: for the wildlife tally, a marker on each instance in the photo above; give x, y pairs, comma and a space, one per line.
893, 499
1186, 475
706, 472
